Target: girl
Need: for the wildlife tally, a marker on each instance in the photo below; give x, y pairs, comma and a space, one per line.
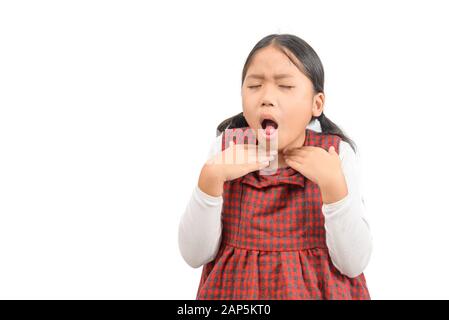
299, 233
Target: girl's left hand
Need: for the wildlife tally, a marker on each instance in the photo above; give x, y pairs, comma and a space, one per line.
315, 163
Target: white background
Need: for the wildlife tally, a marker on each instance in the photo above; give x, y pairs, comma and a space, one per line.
108, 108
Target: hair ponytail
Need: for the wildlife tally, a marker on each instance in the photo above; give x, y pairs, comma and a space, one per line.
327, 126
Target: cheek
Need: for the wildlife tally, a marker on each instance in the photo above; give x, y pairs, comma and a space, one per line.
293, 117
298, 113
249, 112
294, 122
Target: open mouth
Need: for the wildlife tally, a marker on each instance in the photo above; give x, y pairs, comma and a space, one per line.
269, 126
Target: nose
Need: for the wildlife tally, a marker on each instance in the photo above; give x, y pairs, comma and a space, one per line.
266, 102
268, 97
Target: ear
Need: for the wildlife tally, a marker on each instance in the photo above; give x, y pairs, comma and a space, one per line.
318, 104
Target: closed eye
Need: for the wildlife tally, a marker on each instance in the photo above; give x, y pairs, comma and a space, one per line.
285, 87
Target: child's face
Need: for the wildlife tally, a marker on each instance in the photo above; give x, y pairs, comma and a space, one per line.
292, 108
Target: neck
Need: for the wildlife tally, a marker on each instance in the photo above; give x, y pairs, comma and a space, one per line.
295, 144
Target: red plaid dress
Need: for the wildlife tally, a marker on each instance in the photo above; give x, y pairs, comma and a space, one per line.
273, 243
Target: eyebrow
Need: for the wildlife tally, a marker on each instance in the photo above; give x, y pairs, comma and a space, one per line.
276, 76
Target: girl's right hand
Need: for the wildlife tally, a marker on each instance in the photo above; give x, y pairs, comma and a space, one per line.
238, 160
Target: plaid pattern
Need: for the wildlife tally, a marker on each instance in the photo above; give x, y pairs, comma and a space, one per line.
273, 242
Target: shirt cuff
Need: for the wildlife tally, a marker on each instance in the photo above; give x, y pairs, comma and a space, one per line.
334, 208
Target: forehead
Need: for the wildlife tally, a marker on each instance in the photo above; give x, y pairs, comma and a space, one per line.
271, 61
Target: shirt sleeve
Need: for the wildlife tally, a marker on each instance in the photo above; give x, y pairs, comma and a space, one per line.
348, 234
199, 232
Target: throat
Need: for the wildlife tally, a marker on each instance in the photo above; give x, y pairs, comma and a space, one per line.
297, 143
281, 161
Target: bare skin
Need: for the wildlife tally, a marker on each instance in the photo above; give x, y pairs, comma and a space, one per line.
274, 85
291, 99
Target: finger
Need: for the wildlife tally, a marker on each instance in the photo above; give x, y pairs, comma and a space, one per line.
249, 154
298, 158
267, 154
253, 167
259, 165
255, 152
267, 151
260, 158
271, 152
309, 148
245, 147
293, 163
296, 151
254, 158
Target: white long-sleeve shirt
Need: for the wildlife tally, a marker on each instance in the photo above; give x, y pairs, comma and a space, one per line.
348, 234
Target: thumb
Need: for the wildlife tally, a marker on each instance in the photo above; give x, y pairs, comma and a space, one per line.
332, 150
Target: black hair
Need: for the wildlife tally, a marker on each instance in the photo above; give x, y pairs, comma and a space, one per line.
312, 69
